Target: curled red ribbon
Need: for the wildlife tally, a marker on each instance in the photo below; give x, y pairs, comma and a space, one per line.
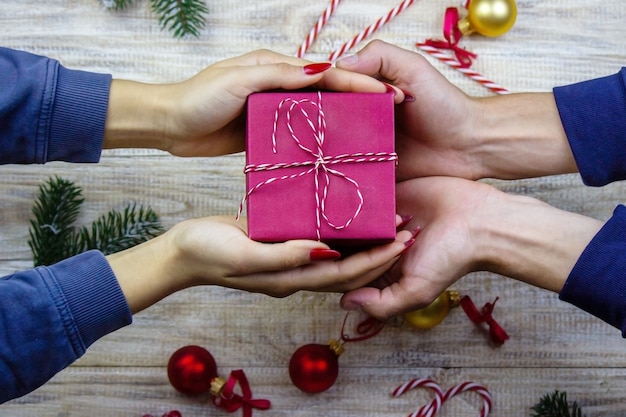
452, 36
230, 401
497, 334
366, 328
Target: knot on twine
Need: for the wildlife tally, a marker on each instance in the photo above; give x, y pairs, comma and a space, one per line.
230, 401
497, 334
452, 35
319, 165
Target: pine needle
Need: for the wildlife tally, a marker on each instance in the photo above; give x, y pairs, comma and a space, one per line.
555, 405
182, 17
117, 231
55, 210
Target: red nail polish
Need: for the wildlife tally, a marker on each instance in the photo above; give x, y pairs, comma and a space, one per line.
407, 245
323, 254
390, 89
416, 232
312, 69
408, 97
405, 221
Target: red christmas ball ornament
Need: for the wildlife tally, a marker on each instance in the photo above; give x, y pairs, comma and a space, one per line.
314, 368
191, 370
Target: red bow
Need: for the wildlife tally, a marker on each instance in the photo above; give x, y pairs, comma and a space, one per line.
452, 36
231, 401
497, 334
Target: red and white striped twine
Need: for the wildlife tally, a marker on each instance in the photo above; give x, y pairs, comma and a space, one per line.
365, 33
432, 408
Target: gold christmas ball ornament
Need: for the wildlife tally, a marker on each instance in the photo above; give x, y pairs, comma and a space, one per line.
433, 314
489, 17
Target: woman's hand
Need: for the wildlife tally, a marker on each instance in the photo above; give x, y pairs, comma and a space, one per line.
217, 251
204, 115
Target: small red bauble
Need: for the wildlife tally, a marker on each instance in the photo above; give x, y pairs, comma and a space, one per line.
191, 369
314, 368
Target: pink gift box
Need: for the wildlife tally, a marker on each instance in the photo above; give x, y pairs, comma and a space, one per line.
321, 166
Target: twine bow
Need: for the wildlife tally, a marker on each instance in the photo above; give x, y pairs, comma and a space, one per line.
497, 334
319, 164
231, 401
452, 36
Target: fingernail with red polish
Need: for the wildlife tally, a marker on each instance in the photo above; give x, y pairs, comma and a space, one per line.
405, 221
407, 245
416, 232
408, 97
323, 254
312, 69
390, 89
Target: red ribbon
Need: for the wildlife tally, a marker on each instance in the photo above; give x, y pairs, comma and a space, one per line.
497, 334
231, 401
366, 328
452, 36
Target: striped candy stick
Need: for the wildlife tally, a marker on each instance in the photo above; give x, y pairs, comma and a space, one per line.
430, 409
471, 386
315, 31
368, 31
454, 63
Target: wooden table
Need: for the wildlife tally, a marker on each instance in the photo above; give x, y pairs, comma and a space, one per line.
553, 345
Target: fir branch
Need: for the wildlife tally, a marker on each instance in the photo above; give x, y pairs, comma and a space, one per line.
54, 238
183, 17
117, 231
55, 210
555, 405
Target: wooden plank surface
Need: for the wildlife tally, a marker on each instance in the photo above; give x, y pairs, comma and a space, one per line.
552, 345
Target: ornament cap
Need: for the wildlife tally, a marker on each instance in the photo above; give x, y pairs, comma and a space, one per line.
454, 297
336, 346
217, 386
464, 26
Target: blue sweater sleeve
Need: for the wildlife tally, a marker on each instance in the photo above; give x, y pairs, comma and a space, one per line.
49, 112
593, 114
50, 315
597, 283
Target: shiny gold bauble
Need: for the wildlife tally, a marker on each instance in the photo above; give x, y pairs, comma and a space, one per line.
489, 17
433, 314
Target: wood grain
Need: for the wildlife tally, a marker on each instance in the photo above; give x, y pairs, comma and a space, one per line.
552, 345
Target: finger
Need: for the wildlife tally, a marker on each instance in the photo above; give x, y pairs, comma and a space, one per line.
334, 79
260, 57
379, 59
386, 302
340, 275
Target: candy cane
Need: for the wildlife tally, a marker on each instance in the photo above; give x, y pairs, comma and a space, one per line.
321, 22
430, 409
370, 29
454, 63
471, 386
315, 31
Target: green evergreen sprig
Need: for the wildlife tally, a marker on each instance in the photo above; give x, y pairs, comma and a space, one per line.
181, 17
53, 236
556, 405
